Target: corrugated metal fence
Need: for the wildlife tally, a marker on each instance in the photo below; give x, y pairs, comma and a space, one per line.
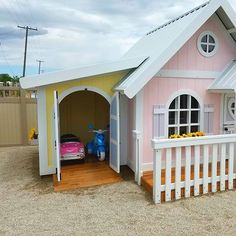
18, 114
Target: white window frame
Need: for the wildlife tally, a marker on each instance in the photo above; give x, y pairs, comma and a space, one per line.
228, 116
199, 44
230, 108
177, 124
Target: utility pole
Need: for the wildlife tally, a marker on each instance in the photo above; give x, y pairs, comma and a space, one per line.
27, 28
39, 61
24, 130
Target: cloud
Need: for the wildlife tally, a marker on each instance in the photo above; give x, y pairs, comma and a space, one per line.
76, 32
9, 33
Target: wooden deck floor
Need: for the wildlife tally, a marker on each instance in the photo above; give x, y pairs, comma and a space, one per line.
147, 180
85, 175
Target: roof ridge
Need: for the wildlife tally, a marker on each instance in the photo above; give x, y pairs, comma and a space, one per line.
179, 17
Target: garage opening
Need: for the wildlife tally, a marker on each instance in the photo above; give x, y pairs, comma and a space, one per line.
77, 111
81, 109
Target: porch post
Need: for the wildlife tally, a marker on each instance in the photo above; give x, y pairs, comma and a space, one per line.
235, 131
139, 136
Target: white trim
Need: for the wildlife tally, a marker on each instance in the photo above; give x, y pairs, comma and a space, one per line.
80, 73
113, 117
177, 94
113, 141
186, 142
221, 114
61, 96
83, 88
57, 134
48, 171
193, 74
199, 44
116, 142
231, 31
235, 131
223, 29
177, 38
44, 169
139, 135
157, 110
147, 166
124, 119
227, 98
229, 107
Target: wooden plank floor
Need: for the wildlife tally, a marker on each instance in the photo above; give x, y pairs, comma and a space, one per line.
85, 175
147, 180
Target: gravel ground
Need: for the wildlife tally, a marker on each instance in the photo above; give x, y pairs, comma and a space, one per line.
28, 206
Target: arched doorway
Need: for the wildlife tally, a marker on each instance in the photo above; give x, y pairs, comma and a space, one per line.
78, 107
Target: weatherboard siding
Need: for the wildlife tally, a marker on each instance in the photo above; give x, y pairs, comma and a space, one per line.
189, 58
159, 91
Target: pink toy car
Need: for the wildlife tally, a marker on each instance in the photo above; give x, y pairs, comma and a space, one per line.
71, 147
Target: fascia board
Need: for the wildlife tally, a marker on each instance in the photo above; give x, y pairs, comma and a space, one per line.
142, 76
83, 72
229, 11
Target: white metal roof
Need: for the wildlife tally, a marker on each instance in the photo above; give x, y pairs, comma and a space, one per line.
161, 44
150, 53
81, 72
226, 82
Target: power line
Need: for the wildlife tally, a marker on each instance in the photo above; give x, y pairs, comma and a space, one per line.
27, 28
39, 61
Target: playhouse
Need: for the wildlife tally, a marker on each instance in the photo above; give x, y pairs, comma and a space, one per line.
180, 78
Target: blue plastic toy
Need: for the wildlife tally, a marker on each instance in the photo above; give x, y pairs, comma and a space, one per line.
98, 145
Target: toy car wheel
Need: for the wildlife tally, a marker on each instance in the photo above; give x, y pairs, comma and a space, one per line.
102, 156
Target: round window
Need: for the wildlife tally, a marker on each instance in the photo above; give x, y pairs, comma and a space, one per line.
207, 44
231, 107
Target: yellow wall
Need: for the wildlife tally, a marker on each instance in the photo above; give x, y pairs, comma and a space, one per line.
102, 82
80, 109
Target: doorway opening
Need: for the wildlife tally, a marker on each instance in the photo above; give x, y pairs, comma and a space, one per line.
77, 111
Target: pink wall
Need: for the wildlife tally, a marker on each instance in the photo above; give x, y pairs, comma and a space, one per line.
159, 90
154, 95
189, 58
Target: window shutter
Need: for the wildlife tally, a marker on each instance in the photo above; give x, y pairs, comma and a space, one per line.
208, 118
159, 112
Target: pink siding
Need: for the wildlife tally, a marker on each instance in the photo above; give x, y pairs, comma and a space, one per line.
189, 58
159, 90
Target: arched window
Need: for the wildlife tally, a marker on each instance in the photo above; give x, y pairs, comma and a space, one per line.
183, 115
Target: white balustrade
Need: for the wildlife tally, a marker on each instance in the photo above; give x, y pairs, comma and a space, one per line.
193, 154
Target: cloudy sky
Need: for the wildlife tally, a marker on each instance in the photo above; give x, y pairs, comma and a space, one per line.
78, 32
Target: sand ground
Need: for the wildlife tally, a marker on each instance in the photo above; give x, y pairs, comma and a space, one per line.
28, 206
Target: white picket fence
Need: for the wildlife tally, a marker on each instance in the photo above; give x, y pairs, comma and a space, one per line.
187, 152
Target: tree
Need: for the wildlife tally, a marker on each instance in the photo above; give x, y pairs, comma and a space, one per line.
6, 77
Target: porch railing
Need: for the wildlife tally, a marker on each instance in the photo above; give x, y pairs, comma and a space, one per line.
205, 163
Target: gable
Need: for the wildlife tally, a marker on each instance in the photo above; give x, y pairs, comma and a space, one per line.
160, 45
189, 57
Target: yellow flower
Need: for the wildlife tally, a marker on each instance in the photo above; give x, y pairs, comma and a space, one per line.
32, 134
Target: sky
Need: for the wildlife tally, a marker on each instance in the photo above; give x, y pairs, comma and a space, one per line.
73, 33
